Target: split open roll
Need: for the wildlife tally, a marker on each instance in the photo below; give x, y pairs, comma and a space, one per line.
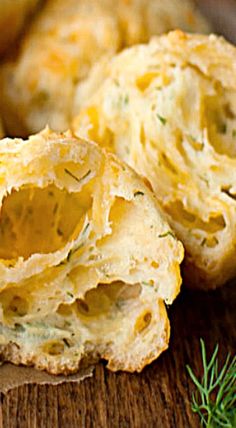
168, 109
87, 259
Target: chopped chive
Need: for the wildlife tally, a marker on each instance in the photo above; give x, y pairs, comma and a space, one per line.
55, 208
162, 119
76, 178
85, 229
138, 193
73, 250
66, 342
223, 128
168, 233
147, 283
70, 294
126, 99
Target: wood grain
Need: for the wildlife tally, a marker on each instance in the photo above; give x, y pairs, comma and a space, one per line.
159, 397
222, 15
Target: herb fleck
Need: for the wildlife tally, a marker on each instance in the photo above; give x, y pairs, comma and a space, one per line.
70, 294
66, 342
147, 283
223, 128
73, 250
76, 178
168, 233
85, 229
162, 119
42, 96
126, 99
120, 304
55, 208
234, 133
19, 327
138, 193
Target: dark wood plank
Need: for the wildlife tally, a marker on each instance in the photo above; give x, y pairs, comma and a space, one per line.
222, 14
158, 397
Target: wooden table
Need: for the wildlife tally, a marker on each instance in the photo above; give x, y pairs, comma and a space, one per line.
159, 397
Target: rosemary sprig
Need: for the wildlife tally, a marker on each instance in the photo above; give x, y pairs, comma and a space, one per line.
215, 398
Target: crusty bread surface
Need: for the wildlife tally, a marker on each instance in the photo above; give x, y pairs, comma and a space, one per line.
87, 259
168, 109
65, 40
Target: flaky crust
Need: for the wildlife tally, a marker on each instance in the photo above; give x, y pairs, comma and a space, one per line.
87, 258
65, 40
168, 109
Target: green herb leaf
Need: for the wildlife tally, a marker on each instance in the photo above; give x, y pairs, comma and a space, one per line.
126, 99
223, 128
76, 178
148, 284
162, 119
73, 250
70, 294
168, 233
138, 193
85, 229
215, 398
66, 342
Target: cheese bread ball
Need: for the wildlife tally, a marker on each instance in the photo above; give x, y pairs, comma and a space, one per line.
168, 109
13, 16
65, 40
87, 259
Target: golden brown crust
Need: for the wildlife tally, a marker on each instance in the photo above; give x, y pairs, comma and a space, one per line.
87, 258
65, 40
168, 109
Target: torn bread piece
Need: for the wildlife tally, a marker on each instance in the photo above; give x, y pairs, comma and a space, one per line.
168, 109
87, 258
14, 14
65, 40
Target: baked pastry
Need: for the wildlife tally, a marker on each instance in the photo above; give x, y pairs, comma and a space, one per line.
168, 109
65, 40
13, 15
87, 259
